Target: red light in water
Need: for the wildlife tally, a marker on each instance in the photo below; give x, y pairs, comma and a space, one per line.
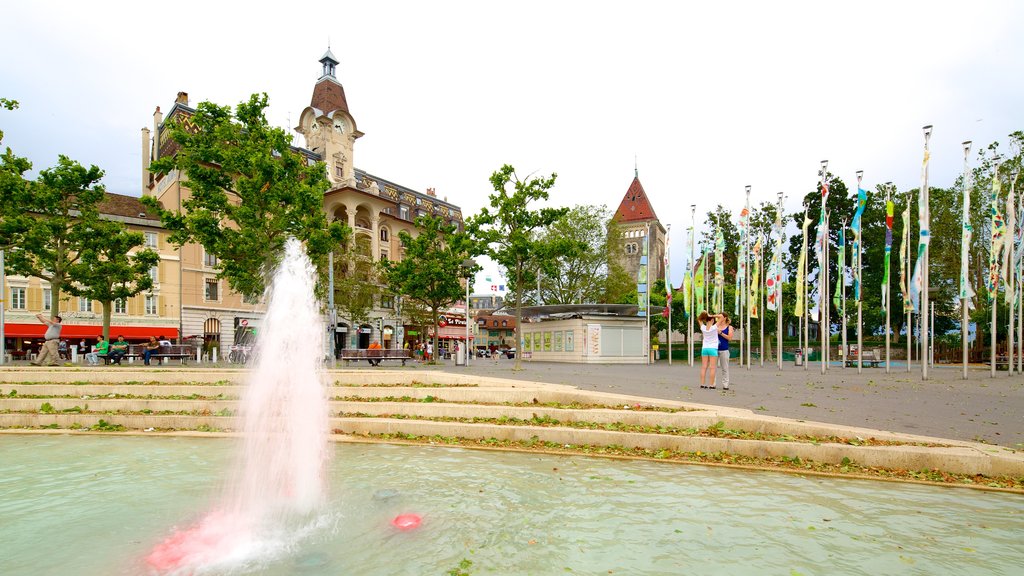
406, 521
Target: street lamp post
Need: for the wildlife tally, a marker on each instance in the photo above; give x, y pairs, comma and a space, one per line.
858, 288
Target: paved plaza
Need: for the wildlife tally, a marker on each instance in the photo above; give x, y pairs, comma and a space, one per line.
981, 409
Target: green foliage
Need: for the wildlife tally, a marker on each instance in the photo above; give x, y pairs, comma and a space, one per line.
47, 408
619, 285
356, 283
111, 272
432, 270
51, 222
578, 276
250, 192
507, 231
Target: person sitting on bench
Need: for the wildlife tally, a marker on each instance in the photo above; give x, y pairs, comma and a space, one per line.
98, 350
374, 361
118, 350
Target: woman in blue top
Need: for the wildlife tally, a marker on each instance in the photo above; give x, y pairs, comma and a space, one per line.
709, 348
724, 336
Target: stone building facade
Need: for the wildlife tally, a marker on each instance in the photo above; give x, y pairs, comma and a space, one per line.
376, 210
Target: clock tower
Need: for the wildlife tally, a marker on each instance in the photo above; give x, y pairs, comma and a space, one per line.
328, 127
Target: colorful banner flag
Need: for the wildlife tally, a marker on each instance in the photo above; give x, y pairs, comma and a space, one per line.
741, 259
718, 298
755, 280
855, 227
998, 236
641, 279
889, 207
800, 276
905, 258
966, 232
837, 298
668, 277
698, 286
924, 237
688, 280
773, 281
1011, 225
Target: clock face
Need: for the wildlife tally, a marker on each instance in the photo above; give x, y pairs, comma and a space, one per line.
314, 126
339, 125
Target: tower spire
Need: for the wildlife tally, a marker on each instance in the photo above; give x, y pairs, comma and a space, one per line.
636, 171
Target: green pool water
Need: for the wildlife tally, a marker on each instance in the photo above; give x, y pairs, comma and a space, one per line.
88, 505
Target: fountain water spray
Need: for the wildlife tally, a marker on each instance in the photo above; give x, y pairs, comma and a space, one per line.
277, 482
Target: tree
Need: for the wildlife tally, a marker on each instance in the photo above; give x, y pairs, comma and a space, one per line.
619, 284
432, 269
580, 275
51, 222
249, 192
356, 284
108, 271
507, 231
12, 187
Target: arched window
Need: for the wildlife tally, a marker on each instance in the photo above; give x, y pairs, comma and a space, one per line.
384, 235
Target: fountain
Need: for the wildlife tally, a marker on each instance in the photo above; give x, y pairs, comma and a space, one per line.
277, 480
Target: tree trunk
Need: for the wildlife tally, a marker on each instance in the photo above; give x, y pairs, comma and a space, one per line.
433, 315
106, 319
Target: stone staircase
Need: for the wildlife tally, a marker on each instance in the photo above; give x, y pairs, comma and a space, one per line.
448, 408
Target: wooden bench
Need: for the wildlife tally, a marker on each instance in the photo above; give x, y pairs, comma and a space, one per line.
180, 352
350, 355
870, 358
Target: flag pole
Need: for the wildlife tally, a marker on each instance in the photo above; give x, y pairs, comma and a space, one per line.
857, 289
885, 289
668, 290
925, 213
906, 278
823, 268
805, 313
778, 289
842, 289
965, 240
692, 269
760, 296
1011, 217
994, 292
745, 298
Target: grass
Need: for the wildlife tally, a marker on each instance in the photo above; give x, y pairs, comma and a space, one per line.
717, 430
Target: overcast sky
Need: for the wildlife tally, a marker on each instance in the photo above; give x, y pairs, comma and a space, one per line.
708, 97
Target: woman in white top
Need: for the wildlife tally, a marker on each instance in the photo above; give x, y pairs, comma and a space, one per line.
709, 348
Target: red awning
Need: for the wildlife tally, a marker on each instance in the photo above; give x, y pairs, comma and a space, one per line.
87, 331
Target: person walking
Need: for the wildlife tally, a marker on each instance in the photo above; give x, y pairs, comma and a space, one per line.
709, 348
63, 351
724, 336
48, 352
100, 349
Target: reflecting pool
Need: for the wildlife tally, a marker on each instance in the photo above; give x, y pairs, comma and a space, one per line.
92, 505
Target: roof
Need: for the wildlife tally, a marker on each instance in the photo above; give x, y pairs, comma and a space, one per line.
328, 56
127, 207
328, 95
635, 206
